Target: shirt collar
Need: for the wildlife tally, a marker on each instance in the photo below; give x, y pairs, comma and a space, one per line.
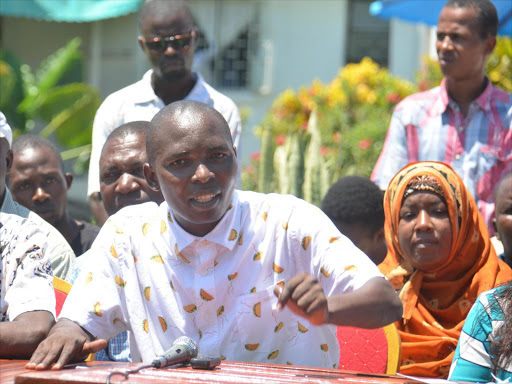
483, 101
146, 93
226, 233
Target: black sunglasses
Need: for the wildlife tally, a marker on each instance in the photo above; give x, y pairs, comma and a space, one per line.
177, 42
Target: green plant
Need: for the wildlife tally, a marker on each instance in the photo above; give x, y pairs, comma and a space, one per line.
67, 109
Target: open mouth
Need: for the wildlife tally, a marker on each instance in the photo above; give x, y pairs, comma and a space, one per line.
205, 199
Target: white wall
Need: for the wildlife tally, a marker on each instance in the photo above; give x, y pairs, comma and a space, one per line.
408, 44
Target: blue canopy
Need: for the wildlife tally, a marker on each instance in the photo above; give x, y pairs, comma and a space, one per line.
427, 11
68, 10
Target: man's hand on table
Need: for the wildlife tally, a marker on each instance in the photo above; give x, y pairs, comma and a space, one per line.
66, 342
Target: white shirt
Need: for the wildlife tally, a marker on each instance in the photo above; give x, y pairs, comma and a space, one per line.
147, 275
138, 102
25, 272
59, 251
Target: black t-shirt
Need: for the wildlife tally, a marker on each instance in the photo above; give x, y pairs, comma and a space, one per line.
86, 235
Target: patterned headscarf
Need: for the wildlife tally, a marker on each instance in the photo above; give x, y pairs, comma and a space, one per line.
437, 302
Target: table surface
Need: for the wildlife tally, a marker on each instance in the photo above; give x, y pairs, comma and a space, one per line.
13, 371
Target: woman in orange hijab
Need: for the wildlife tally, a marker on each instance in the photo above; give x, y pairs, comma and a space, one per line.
439, 258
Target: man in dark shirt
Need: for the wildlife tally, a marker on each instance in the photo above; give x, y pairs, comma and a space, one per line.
37, 181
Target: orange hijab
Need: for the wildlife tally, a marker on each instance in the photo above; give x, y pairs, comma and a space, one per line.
437, 302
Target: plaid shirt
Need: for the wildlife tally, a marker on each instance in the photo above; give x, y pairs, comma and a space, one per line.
430, 126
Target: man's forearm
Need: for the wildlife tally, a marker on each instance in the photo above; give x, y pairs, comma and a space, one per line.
373, 305
20, 338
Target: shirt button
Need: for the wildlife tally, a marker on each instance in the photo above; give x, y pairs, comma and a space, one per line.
457, 156
460, 128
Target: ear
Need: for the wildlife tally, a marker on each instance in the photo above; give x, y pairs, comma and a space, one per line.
69, 179
234, 150
495, 229
490, 43
379, 235
151, 178
140, 39
195, 34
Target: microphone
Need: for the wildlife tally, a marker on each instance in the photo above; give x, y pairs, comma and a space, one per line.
182, 350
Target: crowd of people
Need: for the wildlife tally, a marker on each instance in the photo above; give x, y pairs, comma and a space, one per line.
178, 249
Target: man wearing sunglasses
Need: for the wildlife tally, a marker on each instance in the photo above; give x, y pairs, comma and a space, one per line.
168, 37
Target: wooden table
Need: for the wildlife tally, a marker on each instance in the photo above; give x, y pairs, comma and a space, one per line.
13, 371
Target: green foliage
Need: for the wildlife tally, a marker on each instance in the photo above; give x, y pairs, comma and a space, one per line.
68, 109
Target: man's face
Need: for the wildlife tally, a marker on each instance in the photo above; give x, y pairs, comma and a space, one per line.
122, 181
503, 221
37, 182
195, 168
169, 64
462, 53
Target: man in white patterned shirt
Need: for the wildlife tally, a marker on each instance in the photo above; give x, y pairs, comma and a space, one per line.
27, 300
248, 276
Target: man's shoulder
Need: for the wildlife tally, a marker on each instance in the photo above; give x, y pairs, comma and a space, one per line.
220, 100
501, 96
280, 205
11, 224
419, 99
124, 95
135, 216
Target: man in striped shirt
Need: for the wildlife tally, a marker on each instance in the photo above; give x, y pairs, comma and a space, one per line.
465, 122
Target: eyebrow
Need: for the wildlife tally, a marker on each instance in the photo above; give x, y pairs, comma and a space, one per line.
218, 148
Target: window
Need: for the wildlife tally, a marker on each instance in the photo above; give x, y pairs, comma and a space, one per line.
367, 35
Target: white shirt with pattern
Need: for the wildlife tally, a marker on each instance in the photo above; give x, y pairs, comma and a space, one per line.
25, 272
147, 275
59, 251
138, 101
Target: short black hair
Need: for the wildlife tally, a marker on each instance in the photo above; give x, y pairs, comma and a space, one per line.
487, 15
355, 200
35, 141
138, 128
163, 8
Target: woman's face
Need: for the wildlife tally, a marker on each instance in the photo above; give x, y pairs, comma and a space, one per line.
424, 230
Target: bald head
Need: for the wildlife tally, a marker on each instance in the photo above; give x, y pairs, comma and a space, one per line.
183, 118
135, 128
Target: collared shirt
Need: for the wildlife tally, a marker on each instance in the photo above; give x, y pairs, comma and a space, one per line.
138, 101
147, 275
26, 278
59, 251
430, 126
472, 359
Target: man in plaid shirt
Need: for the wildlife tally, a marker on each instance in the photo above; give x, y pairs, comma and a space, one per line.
465, 122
